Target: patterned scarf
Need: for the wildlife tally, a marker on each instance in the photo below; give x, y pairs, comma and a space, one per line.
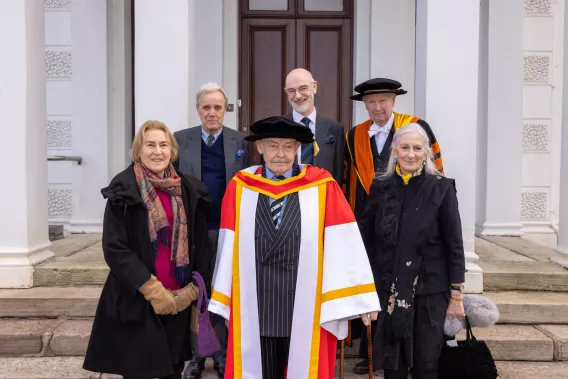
158, 225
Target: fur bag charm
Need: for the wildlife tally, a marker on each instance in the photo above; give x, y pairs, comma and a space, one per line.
480, 311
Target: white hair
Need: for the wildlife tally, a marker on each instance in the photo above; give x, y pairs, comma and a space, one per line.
209, 88
429, 165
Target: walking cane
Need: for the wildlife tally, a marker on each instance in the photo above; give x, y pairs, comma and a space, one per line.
342, 359
370, 347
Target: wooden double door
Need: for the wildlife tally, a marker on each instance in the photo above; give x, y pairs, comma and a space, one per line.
275, 42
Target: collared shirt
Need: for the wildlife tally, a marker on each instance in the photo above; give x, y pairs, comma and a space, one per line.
382, 133
270, 175
205, 134
298, 118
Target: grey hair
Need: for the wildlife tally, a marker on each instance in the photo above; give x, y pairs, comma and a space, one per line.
209, 88
429, 166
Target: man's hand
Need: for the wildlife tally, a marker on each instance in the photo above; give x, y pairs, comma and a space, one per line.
365, 318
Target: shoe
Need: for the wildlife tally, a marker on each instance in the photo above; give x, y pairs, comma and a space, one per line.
361, 367
220, 368
194, 369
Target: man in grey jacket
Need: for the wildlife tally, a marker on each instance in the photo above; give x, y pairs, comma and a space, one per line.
212, 153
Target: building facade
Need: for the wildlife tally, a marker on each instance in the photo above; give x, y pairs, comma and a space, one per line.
83, 75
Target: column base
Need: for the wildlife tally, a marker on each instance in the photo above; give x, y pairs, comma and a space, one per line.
473, 279
16, 265
501, 229
85, 226
474, 274
561, 257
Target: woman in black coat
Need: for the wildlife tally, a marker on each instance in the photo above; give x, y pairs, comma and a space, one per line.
412, 232
154, 237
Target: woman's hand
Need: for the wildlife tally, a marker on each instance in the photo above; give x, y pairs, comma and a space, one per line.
455, 307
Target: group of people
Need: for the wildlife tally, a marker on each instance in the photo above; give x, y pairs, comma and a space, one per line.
332, 232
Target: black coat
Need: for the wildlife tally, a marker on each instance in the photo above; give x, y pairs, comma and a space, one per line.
439, 240
128, 338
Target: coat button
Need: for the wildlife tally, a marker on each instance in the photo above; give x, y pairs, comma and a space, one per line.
290, 292
290, 266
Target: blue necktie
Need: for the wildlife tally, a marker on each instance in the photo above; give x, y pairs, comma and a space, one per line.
307, 152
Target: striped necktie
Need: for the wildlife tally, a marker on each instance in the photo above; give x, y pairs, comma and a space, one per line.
276, 207
210, 140
307, 148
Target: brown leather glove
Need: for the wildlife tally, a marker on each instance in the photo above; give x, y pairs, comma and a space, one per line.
185, 296
161, 300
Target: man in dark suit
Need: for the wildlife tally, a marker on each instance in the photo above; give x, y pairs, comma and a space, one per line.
214, 154
327, 151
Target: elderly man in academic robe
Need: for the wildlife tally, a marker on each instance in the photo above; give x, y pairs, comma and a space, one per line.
368, 144
292, 268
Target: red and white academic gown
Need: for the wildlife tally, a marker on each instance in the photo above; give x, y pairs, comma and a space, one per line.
334, 283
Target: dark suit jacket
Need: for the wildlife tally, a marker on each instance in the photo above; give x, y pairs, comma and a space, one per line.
330, 137
189, 159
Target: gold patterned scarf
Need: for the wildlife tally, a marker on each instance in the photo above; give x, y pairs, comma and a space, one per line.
148, 181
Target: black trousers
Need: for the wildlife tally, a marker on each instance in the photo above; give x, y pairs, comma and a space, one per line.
274, 354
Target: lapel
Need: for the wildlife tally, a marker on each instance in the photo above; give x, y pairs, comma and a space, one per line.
322, 130
194, 150
230, 150
290, 218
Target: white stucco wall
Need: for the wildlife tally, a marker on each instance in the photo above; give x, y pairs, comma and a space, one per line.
376, 56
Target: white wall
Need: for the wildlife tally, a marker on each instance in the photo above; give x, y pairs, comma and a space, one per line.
385, 49
163, 59
90, 114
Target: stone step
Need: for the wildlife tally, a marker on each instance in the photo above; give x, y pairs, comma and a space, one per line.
85, 267
523, 276
60, 337
49, 302
532, 370
44, 337
70, 368
515, 342
531, 307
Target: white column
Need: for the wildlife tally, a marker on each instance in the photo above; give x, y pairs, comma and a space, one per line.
120, 85
23, 211
163, 62
447, 91
90, 114
562, 247
504, 118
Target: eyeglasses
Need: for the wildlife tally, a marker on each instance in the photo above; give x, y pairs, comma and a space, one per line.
291, 92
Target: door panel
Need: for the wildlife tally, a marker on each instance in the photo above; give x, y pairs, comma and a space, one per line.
267, 54
323, 47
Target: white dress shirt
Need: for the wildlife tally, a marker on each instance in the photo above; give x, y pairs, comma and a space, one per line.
382, 133
298, 118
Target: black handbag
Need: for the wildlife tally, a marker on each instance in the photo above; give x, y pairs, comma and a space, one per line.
471, 359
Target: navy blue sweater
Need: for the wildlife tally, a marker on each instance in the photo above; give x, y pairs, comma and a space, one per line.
213, 175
